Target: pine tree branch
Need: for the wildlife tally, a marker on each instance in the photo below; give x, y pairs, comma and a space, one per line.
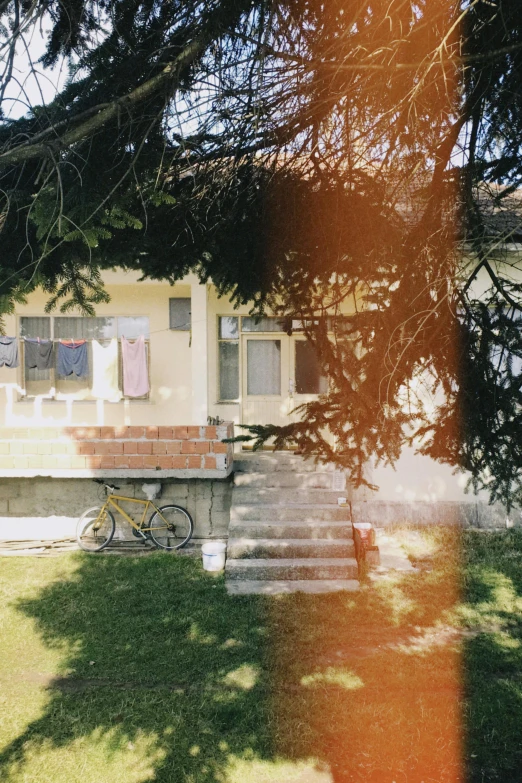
170, 75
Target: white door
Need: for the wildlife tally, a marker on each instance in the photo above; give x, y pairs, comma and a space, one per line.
279, 373
265, 381
306, 379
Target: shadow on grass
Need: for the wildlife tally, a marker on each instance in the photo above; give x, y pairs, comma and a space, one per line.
164, 677
161, 666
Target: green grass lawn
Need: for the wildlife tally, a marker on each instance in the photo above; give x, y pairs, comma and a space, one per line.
128, 669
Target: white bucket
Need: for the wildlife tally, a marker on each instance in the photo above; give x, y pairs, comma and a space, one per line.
214, 554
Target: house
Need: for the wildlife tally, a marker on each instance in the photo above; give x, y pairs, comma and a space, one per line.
209, 366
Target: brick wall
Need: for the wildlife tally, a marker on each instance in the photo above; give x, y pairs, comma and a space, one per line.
116, 451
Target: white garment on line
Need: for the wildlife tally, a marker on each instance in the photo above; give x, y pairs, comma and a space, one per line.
105, 371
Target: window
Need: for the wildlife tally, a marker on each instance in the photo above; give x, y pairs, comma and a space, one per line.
179, 314
308, 377
228, 357
264, 367
265, 324
50, 383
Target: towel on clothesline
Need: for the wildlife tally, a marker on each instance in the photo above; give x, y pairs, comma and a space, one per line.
9, 352
72, 358
135, 372
105, 371
38, 353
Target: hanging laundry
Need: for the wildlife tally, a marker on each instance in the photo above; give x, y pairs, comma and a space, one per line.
72, 358
105, 371
135, 373
38, 353
9, 352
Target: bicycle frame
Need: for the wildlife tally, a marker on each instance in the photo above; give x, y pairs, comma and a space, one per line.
111, 501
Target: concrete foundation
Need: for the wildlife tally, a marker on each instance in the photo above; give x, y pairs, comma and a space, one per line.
49, 507
383, 513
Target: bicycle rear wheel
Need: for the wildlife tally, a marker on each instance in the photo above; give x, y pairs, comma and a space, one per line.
94, 530
171, 527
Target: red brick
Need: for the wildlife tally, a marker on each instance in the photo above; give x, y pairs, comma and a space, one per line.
174, 447
136, 432
121, 462
107, 433
79, 433
210, 462
194, 461
152, 433
188, 447
210, 433
218, 447
194, 432
159, 447
180, 433
102, 447
145, 448
93, 433
121, 432
115, 447
135, 462
94, 462
86, 448
164, 462
201, 447
150, 461
130, 447
165, 433
107, 462
179, 463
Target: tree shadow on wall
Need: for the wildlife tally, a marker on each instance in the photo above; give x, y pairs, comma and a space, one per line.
162, 671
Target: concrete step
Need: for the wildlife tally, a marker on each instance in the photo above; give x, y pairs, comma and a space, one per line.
244, 495
292, 568
289, 547
277, 461
316, 530
315, 586
282, 478
297, 512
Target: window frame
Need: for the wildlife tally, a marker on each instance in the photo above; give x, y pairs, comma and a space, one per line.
237, 342
59, 395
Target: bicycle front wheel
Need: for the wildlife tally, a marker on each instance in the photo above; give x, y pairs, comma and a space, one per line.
95, 529
170, 527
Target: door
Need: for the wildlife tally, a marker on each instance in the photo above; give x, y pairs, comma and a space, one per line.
265, 379
279, 373
307, 381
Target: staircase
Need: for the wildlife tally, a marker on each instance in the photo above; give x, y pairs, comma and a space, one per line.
287, 533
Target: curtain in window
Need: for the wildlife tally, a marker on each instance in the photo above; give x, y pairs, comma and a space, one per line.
263, 366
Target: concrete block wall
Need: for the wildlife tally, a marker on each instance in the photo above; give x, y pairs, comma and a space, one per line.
196, 451
49, 507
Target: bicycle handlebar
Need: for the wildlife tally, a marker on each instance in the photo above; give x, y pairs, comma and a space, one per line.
111, 487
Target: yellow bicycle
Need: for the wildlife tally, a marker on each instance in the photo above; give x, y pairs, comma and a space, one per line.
169, 527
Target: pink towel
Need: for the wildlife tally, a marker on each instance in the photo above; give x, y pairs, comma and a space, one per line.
135, 373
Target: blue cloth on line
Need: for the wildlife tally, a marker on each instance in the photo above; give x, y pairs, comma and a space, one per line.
9, 352
72, 358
